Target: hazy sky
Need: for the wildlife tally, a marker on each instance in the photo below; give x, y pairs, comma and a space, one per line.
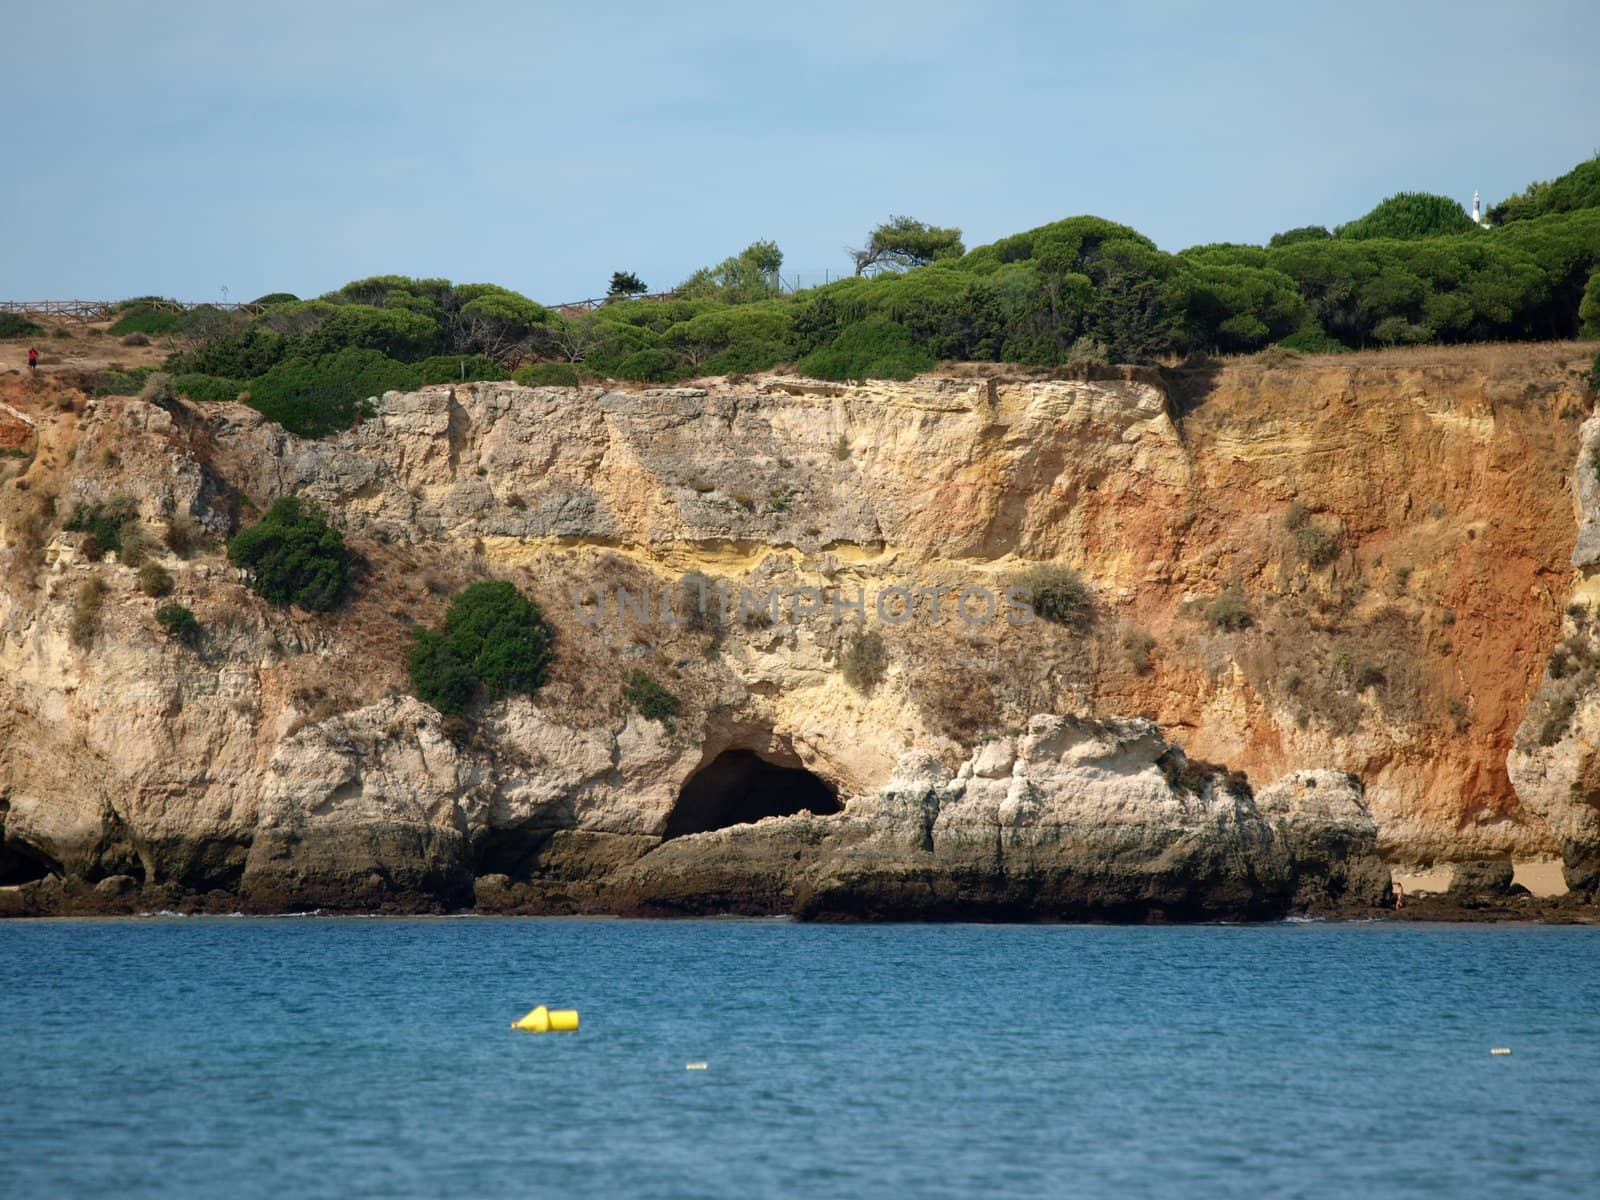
180, 148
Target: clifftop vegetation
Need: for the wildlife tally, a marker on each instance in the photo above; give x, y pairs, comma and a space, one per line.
1415, 269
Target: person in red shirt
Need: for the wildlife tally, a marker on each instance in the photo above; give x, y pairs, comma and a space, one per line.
33, 361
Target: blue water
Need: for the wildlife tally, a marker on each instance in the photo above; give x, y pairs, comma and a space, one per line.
313, 1057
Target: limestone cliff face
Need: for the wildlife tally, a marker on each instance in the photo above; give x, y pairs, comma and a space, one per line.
280, 765
1555, 760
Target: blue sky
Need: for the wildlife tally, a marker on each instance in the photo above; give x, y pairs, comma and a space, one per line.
186, 147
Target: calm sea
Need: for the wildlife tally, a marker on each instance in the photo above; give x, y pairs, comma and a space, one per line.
216, 1057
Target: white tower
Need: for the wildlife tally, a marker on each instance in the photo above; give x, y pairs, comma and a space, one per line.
1477, 216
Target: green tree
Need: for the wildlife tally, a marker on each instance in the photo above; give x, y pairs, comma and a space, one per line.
1304, 233
1408, 215
1578, 189
748, 276
901, 243
1589, 308
294, 556
497, 323
625, 284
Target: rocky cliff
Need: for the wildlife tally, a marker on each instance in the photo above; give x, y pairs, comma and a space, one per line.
1322, 597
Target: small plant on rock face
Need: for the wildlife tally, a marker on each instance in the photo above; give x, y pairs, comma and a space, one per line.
155, 580
1229, 612
104, 522
1059, 595
1557, 719
159, 388
650, 699
86, 611
1139, 646
179, 623
134, 543
864, 659
182, 535
1316, 545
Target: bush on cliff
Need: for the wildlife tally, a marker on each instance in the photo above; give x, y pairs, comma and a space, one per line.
316, 396
1059, 595
294, 556
15, 325
873, 349
103, 521
864, 660
547, 374
141, 316
179, 623
460, 368
494, 639
649, 699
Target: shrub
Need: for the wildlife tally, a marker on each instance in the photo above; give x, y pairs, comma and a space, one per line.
494, 638
1139, 646
120, 383
316, 396
182, 535
1312, 341
864, 659
1295, 517
294, 556
179, 623
134, 543
459, 368
438, 677
1059, 595
699, 603
158, 389
1557, 718
1315, 545
1368, 675
103, 521
141, 317
871, 349
155, 580
86, 611
649, 366
207, 389
547, 374
15, 325
650, 699
1229, 612
136, 339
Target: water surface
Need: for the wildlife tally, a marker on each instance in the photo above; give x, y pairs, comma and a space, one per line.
316, 1057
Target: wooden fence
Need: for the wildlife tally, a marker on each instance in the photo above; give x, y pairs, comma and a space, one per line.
104, 310
581, 306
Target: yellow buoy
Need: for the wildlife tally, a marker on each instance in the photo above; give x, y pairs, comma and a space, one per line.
694, 1066
1500, 1051
549, 1020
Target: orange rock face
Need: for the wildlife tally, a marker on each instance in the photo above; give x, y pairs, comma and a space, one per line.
1398, 530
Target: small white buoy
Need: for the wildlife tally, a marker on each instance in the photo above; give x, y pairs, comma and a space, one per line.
1500, 1050
700, 1066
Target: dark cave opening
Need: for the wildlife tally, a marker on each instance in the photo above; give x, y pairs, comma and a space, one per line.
17, 865
739, 786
